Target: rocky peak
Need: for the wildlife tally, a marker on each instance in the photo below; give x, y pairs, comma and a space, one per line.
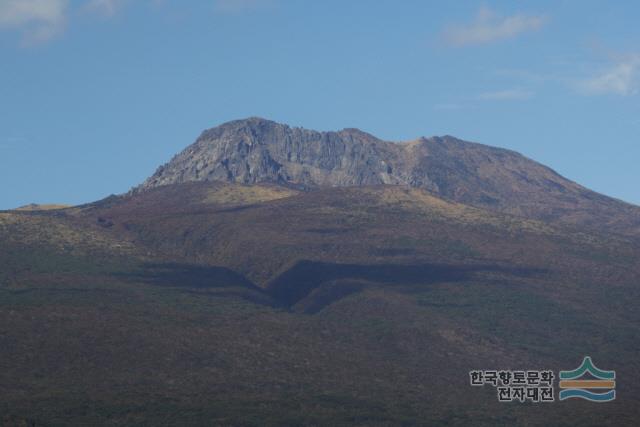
257, 150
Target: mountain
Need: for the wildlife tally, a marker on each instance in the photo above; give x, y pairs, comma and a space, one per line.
329, 290
256, 150
215, 303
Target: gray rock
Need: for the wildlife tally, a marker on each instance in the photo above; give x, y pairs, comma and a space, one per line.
256, 150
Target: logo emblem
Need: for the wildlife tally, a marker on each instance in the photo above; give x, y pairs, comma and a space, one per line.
571, 386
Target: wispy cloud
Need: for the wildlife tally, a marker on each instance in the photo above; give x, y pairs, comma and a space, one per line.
620, 78
240, 6
37, 20
105, 7
470, 102
489, 27
506, 95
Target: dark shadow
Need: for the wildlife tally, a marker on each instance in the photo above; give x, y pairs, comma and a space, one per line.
301, 280
326, 294
308, 286
198, 279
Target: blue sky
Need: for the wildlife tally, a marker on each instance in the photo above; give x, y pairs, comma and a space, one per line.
95, 94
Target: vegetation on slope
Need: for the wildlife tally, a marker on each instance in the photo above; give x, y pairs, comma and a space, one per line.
215, 304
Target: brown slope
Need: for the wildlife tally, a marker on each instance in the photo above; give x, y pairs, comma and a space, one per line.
395, 295
197, 222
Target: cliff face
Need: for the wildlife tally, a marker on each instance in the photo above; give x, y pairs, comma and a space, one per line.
256, 150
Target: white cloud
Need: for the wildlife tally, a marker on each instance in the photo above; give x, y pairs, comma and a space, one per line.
622, 78
37, 20
105, 7
240, 6
506, 95
489, 27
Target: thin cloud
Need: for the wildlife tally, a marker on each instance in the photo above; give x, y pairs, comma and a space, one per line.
37, 20
489, 27
105, 7
506, 95
621, 78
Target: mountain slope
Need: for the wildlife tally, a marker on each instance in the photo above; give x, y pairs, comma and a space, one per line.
266, 234
212, 303
257, 150
278, 276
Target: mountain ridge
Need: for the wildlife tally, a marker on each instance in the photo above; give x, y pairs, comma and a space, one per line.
256, 126
256, 150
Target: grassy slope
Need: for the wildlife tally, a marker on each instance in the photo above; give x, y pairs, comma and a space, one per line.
36, 207
92, 333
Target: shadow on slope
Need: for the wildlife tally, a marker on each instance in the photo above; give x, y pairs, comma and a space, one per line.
308, 286
314, 285
197, 278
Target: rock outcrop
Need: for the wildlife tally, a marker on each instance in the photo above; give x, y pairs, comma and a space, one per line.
256, 150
